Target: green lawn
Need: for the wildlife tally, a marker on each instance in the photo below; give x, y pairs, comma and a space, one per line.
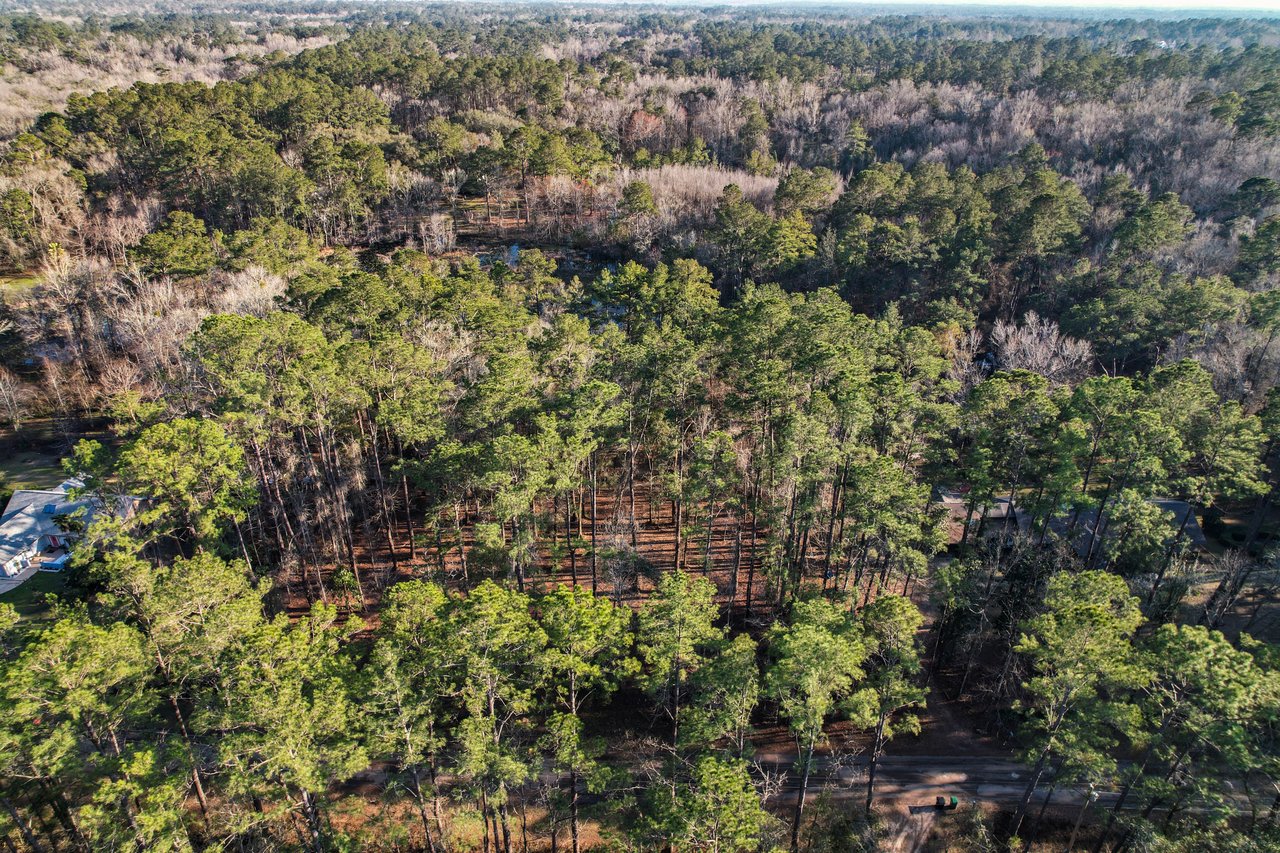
31, 469
28, 599
15, 284
31, 459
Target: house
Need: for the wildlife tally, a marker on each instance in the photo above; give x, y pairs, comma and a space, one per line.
1066, 525
956, 503
1179, 517
33, 528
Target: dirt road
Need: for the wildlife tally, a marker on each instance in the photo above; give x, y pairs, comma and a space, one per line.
907, 785
905, 781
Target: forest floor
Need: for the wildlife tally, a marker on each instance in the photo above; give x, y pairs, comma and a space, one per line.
626, 570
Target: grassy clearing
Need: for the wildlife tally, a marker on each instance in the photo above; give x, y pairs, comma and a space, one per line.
30, 458
31, 469
16, 284
29, 599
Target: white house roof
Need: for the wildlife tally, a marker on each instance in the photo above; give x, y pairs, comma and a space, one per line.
30, 497
31, 513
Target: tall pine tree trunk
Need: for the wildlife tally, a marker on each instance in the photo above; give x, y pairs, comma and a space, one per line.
573, 808
24, 827
1036, 773
877, 747
594, 549
804, 791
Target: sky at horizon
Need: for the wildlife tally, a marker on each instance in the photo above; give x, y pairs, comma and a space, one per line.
1224, 7
1126, 5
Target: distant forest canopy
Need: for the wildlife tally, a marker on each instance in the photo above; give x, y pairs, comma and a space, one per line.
519, 426
940, 158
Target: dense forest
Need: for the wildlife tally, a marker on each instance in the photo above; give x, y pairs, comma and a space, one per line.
564, 427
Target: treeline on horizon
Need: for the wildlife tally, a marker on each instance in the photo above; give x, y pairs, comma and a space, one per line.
537, 408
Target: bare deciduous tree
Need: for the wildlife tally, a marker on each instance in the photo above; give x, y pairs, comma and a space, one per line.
1234, 569
15, 396
253, 291
1037, 345
966, 370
